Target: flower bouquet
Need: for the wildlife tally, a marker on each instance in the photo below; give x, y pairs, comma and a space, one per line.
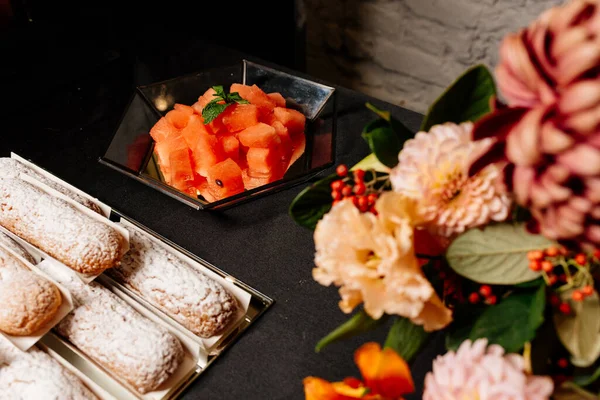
484, 225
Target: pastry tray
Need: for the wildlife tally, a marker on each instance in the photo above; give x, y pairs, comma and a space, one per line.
107, 387
258, 304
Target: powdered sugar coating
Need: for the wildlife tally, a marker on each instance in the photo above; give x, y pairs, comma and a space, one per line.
36, 375
116, 336
15, 247
79, 241
11, 168
196, 301
27, 300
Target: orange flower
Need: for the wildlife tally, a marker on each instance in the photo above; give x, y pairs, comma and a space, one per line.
386, 376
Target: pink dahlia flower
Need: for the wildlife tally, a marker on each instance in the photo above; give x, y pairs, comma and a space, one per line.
481, 372
550, 75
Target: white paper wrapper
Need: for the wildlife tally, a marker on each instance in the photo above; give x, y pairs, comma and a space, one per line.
241, 295
24, 343
40, 254
105, 209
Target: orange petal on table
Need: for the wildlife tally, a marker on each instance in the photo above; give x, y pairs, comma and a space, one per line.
319, 389
385, 373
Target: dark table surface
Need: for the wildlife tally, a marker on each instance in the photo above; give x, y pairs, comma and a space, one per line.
62, 115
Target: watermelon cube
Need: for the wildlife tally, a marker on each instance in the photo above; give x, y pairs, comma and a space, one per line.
285, 147
231, 146
177, 118
238, 117
206, 153
255, 96
184, 108
162, 130
259, 135
252, 182
191, 133
180, 165
225, 179
277, 98
264, 162
291, 119
206, 98
163, 150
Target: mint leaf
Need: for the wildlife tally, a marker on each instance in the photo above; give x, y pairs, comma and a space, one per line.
212, 111
220, 92
221, 101
235, 96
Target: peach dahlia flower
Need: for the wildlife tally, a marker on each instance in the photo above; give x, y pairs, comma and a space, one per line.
433, 169
372, 260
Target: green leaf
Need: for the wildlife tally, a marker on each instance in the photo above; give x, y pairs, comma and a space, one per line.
585, 380
571, 391
467, 99
460, 330
579, 332
406, 338
514, 321
531, 284
357, 324
312, 203
220, 92
212, 111
385, 144
371, 162
385, 136
496, 255
235, 97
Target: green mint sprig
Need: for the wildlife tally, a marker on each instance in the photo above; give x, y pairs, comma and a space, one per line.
221, 101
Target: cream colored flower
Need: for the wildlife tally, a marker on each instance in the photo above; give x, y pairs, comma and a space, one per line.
433, 169
372, 260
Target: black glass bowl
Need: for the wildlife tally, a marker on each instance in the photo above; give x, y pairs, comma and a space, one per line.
131, 150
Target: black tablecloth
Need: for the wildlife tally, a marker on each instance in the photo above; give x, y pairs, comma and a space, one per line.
62, 118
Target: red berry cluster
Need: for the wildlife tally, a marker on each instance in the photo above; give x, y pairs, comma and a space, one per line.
353, 188
485, 292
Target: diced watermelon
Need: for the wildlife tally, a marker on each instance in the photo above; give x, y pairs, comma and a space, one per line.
277, 98
259, 135
291, 119
206, 98
225, 179
231, 146
240, 116
184, 108
163, 150
163, 130
182, 175
191, 133
255, 96
177, 118
285, 147
252, 182
299, 145
207, 153
264, 162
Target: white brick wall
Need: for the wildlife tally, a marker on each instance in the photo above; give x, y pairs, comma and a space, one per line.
407, 51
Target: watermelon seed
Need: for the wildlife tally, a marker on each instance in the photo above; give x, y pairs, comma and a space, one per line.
218, 182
